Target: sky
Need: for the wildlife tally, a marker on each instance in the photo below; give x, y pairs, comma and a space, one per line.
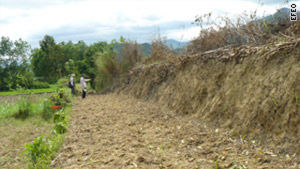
101, 20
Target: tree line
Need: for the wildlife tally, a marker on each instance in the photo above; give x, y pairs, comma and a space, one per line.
23, 67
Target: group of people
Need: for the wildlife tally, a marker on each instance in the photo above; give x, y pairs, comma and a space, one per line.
83, 81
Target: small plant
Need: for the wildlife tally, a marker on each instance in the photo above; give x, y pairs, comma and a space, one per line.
217, 163
38, 151
60, 128
59, 116
24, 109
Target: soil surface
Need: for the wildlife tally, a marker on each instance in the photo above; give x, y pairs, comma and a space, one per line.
119, 131
14, 135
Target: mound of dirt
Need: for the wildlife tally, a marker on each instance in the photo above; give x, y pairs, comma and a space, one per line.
249, 90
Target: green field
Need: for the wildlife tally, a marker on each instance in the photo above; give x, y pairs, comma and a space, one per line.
33, 91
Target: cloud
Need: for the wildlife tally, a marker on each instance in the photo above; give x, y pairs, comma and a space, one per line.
93, 20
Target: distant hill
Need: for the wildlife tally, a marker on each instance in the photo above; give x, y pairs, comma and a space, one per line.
147, 47
279, 15
174, 44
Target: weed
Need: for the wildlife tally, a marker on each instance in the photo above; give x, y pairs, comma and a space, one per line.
217, 163
24, 109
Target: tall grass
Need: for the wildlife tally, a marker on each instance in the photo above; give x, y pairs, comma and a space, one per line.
24, 109
7, 110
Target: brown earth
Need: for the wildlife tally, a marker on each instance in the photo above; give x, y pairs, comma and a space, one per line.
119, 131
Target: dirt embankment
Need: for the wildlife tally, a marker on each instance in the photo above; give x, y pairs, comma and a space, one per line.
249, 90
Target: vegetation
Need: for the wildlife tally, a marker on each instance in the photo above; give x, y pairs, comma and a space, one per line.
43, 149
33, 91
246, 29
15, 69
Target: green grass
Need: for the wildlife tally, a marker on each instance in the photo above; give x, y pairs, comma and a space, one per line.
16, 132
8, 110
33, 91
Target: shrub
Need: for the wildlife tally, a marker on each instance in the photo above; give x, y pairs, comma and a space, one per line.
38, 151
130, 55
47, 111
24, 109
107, 69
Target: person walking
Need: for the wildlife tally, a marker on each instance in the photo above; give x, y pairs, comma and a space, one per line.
83, 85
72, 84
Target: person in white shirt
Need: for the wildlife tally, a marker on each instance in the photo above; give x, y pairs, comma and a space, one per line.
72, 84
83, 85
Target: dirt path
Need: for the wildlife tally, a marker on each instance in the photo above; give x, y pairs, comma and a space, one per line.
111, 131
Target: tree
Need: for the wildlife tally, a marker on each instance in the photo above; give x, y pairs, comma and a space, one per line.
14, 67
48, 61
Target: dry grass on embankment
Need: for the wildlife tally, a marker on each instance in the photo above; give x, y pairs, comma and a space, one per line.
249, 90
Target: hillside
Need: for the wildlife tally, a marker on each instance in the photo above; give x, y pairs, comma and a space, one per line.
251, 91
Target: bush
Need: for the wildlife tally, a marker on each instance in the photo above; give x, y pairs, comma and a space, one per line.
24, 109
107, 69
38, 152
47, 111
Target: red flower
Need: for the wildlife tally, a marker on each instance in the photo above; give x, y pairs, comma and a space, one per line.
56, 107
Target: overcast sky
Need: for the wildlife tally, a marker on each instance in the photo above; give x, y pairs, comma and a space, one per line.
100, 20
